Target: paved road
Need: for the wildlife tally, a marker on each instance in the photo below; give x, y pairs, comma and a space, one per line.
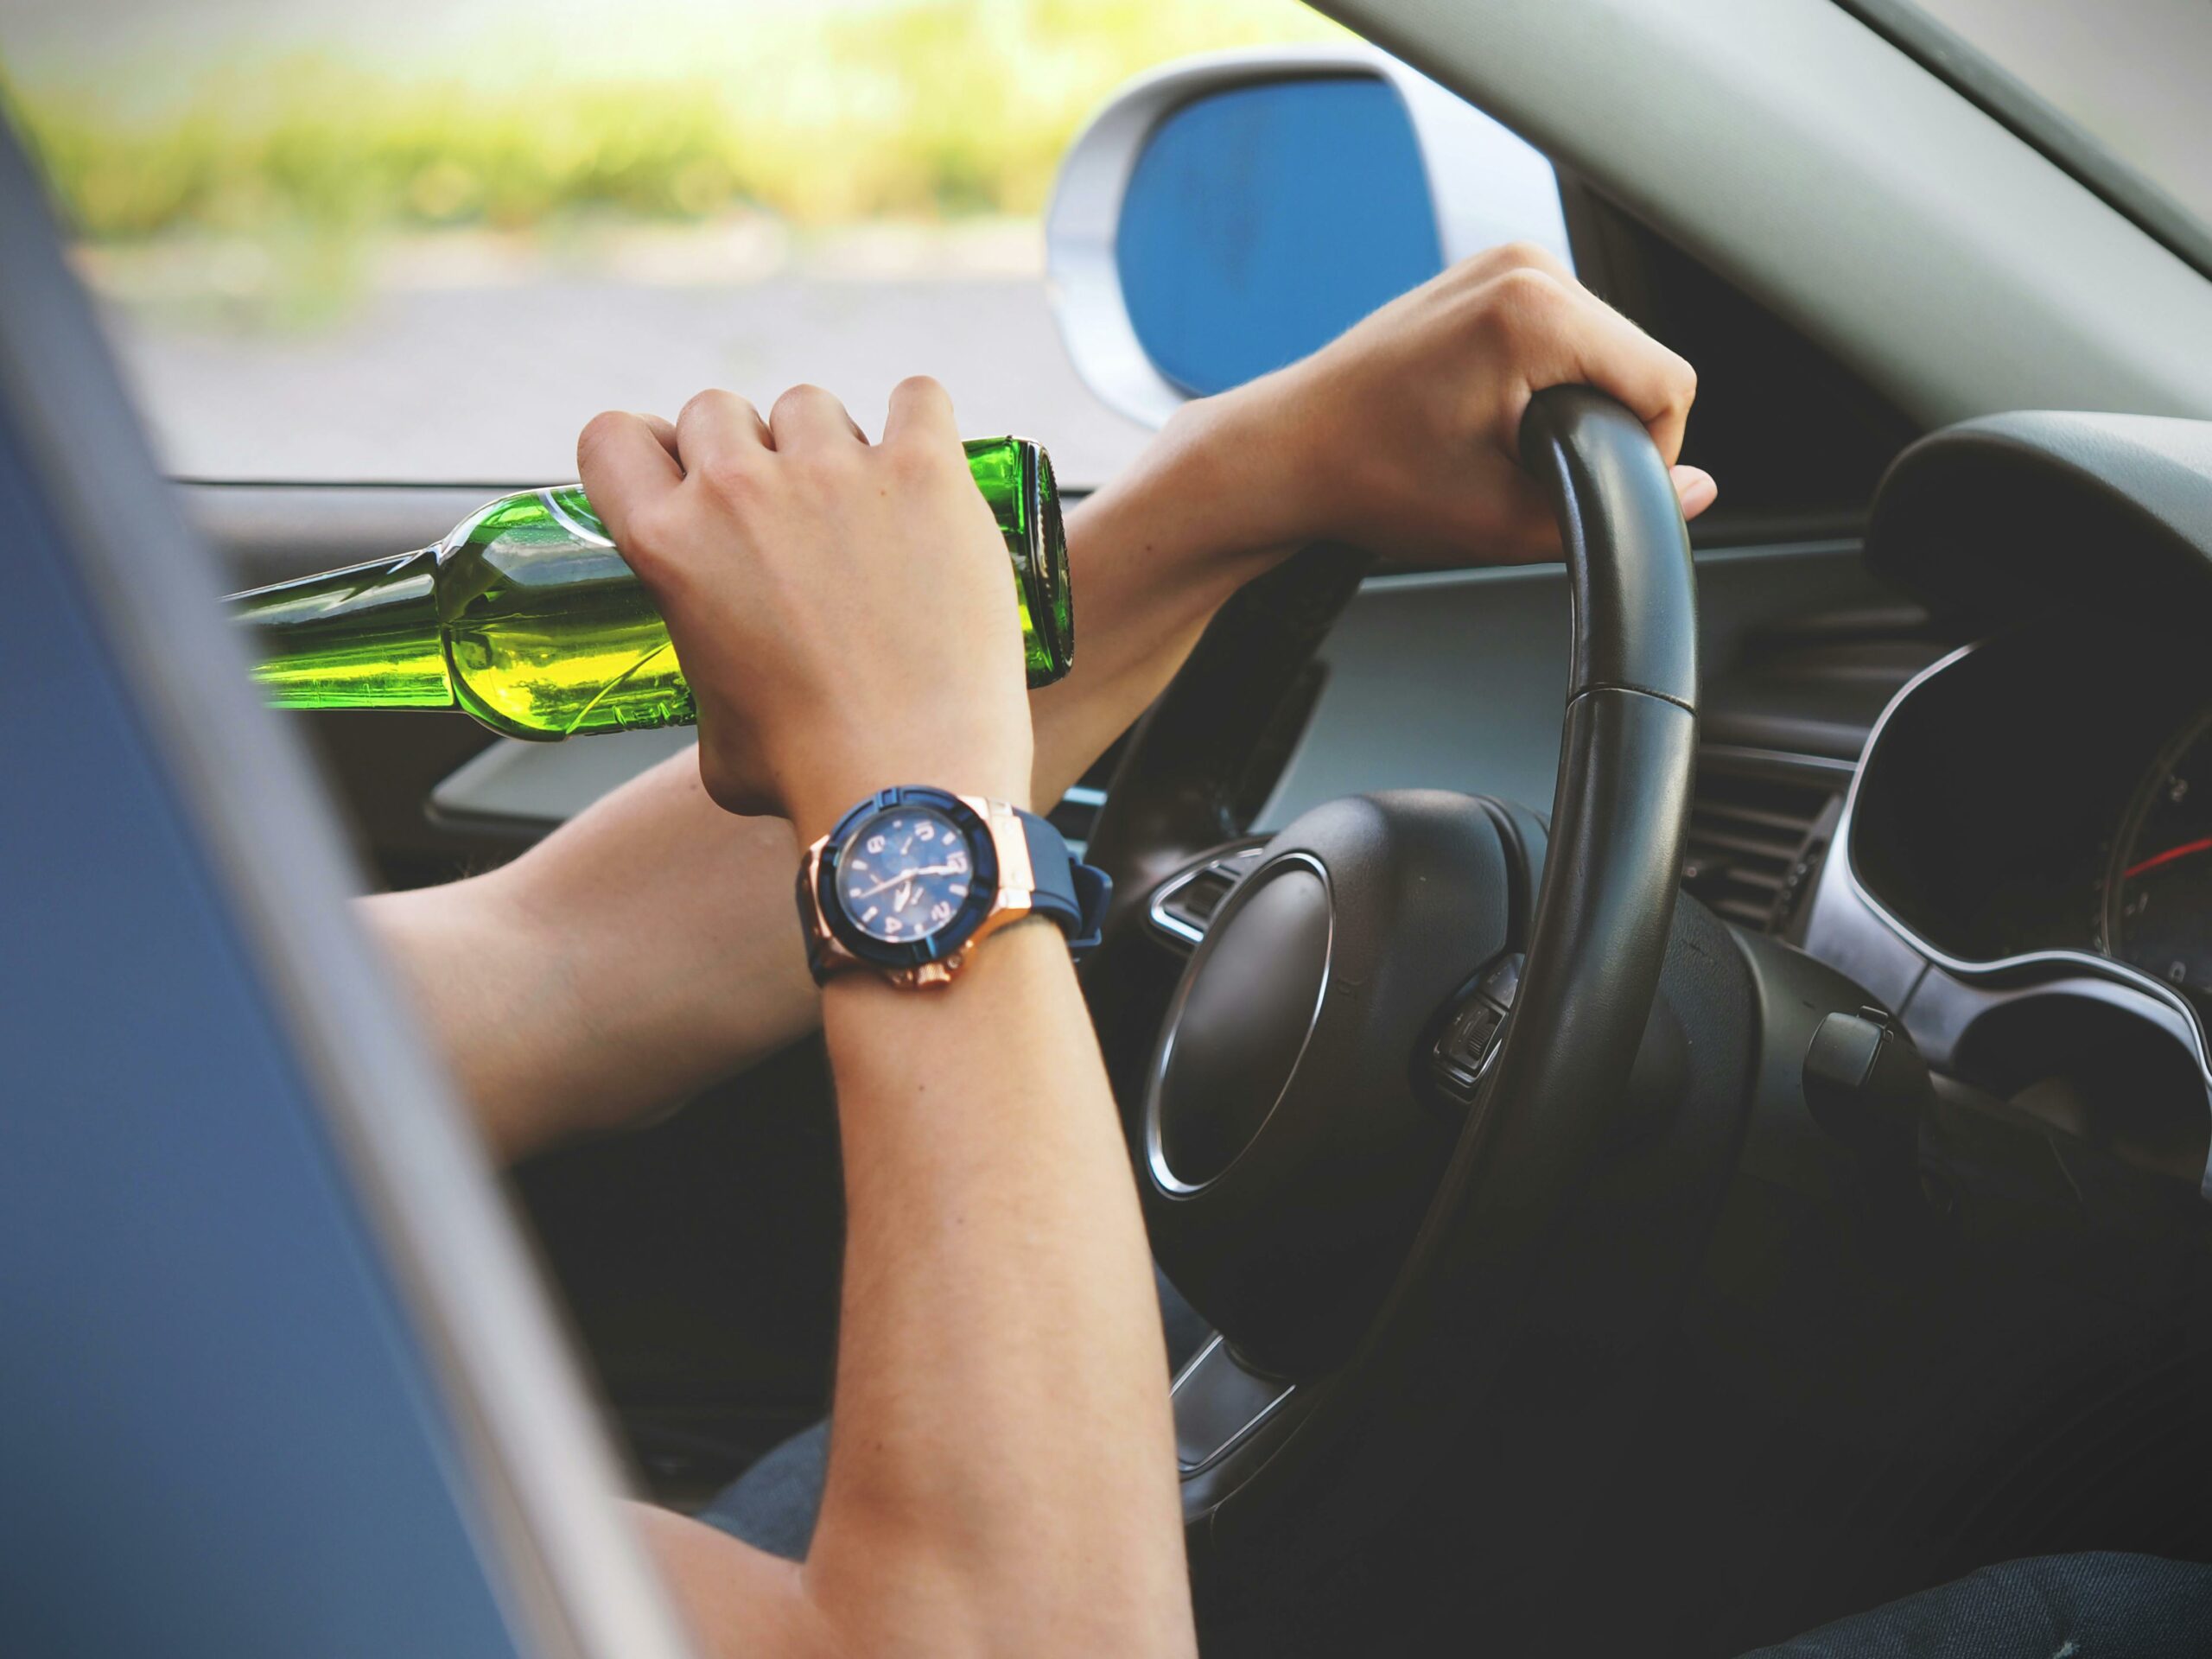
491, 383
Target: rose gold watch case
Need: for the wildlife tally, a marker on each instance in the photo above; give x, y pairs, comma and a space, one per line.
1014, 901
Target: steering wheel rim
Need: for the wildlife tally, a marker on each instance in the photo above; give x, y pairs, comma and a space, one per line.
1339, 1452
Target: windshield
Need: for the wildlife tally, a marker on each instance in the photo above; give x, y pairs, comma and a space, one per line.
425, 240
2134, 75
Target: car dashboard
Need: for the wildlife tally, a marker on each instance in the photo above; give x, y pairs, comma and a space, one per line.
2022, 867
1968, 765
2051, 790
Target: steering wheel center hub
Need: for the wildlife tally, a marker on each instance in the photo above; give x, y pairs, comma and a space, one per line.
1292, 1136
1242, 1025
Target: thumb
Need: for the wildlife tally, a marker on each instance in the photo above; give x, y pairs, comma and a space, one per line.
1696, 488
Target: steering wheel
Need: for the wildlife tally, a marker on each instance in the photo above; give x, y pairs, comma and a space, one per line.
1406, 1030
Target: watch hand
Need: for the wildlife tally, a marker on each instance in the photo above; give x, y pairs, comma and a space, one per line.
890, 882
914, 873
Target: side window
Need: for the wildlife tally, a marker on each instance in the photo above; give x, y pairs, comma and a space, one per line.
423, 241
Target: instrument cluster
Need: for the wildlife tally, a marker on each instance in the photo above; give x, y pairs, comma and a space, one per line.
2050, 790
2154, 904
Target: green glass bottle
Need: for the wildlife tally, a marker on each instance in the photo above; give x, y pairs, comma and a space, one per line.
526, 617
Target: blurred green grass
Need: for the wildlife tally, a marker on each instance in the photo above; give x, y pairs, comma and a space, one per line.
935, 109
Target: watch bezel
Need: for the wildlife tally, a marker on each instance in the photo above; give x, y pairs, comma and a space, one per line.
974, 909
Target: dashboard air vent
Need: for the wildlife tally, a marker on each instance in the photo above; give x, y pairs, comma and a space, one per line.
1759, 825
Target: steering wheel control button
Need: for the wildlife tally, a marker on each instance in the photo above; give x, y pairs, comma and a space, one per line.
1243, 1024
1184, 905
1866, 1083
1462, 1052
1467, 1044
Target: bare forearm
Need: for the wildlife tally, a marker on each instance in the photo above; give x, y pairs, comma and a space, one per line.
647, 948
1154, 556
974, 1129
630, 959
971, 1401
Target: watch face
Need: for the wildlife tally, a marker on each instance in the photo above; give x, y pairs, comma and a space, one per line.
904, 874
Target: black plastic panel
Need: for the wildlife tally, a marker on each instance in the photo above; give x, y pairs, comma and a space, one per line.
2029, 513
1985, 815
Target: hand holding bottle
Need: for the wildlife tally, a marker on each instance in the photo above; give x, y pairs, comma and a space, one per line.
526, 617
839, 608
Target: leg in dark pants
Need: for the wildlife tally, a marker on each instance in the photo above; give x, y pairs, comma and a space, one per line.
2048, 1607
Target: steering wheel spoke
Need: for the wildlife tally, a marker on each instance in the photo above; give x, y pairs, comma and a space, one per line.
1219, 1404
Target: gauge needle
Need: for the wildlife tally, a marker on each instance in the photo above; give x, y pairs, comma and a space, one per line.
2167, 857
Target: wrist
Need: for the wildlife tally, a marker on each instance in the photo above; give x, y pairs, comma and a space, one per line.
832, 785
1245, 474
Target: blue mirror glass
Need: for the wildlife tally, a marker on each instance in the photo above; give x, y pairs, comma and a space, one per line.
1261, 222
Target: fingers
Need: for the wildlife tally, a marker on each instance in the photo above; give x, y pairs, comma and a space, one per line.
664, 428
718, 429
1525, 530
1696, 488
1548, 331
806, 416
920, 413
1617, 357
1517, 256
625, 468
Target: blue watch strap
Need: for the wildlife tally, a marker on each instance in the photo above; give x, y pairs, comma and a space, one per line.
1072, 893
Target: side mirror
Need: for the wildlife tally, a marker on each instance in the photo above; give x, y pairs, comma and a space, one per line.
1230, 213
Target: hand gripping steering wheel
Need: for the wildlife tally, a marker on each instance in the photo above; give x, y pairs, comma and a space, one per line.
1405, 1037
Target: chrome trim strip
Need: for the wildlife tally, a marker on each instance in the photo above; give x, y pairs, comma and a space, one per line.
1478, 575
1155, 1155
2032, 967
1174, 926
1193, 1363
1189, 1368
1779, 759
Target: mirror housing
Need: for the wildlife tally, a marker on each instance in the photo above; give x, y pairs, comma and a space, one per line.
1230, 213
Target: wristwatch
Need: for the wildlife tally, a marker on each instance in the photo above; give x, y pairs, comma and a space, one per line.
913, 878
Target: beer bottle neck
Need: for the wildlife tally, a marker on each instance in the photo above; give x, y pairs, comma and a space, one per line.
365, 637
